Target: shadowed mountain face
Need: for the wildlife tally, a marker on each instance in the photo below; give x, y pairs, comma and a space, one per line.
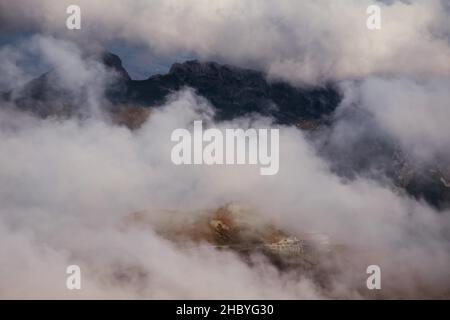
235, 92
232, 91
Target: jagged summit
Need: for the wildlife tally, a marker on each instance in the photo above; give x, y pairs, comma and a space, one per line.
210, 68
235, 92
114, 62
192, 66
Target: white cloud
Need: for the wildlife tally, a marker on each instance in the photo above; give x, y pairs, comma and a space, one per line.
65, 200
306, 41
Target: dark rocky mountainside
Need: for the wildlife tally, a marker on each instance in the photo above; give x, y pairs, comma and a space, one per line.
232, 91
235, 92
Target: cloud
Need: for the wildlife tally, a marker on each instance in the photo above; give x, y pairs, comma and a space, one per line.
302, 41
67, 206
65, 203
413, 112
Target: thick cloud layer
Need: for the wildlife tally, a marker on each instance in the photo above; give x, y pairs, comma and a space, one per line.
67, 187
416, 113
306, 41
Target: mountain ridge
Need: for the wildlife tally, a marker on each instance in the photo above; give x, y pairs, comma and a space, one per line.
232, 91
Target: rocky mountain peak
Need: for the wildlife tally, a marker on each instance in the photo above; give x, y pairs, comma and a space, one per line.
114, 62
